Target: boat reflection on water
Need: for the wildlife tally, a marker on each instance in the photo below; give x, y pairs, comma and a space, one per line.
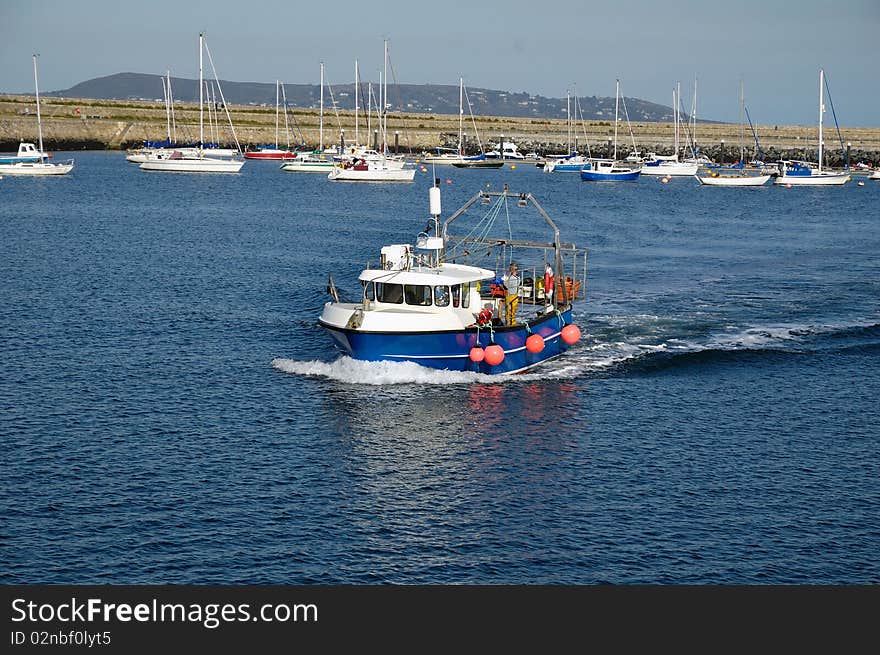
416, 424
533, 406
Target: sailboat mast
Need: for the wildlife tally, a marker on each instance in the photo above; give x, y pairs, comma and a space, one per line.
616, 103
173, 128
286, 125
369, 108
385, 102
167, 115
742, 126
694, 116
277, 100
675, 91
357, 139
321, 113
39, 116
821, 111
201, 95
568, 118
460, 115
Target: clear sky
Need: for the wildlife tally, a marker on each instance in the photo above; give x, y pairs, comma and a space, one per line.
546, 48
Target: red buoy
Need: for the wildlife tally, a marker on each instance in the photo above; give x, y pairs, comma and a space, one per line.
477, 353
571, 333
494, 354
535, 343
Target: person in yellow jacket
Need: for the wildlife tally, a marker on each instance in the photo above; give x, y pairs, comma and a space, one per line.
511, 299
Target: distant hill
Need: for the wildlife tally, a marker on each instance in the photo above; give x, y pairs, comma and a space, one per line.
416, 98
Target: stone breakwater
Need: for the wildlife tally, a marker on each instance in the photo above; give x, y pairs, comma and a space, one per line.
78, 124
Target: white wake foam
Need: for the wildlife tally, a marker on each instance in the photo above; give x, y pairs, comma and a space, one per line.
591, 356
353, 371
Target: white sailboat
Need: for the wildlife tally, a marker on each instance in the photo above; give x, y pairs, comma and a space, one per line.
740, 178
378, 167
41, 166
450, 155
671, 166
317, 161
800, 173
181, 161
571, 162
151, 149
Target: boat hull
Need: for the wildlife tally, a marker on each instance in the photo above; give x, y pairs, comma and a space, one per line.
731, 180
307, 166
205, 165
433, 159
598, 176
552, 167
673, 168
824, 179
36, 168
272, 155
450, 350
479, 163
382, 175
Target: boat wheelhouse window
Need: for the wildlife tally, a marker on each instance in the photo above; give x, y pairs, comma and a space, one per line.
369, 291
456, 295
466, 295
390, 293
441, 295
417, 294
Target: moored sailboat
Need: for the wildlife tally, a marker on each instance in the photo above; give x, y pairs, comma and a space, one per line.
40, 165
610, 170
740, 178
195, 161
801, 173
671, 166
274, 151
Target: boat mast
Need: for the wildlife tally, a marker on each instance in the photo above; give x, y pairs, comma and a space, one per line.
286, 125
694, 115
675, 112
369, 109
616, 102
568, 118
167, 108
171, 110
39, 117
821, 111
277, 99
742, 126
357, 139
201, 95
385, 103
321, 113
460, 115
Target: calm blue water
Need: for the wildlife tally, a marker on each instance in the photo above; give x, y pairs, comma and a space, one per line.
170, 413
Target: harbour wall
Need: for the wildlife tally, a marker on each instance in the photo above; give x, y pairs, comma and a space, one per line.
83, 124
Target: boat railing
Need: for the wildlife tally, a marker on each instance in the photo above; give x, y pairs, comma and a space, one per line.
563, 257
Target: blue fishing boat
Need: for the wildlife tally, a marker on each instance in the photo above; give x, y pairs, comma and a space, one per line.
607, 170
429, 303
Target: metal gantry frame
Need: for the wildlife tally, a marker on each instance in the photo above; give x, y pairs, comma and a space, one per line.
559, 249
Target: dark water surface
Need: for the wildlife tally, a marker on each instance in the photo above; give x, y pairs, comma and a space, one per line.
170, 413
